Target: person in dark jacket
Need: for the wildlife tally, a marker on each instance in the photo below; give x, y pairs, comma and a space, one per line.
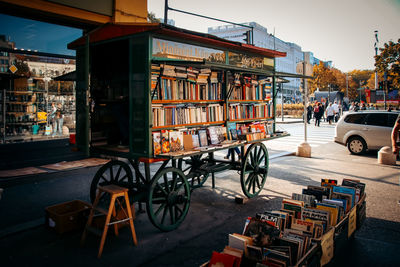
309, 112
318, 111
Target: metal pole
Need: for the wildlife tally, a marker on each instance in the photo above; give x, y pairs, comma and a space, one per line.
376, 53
166, 12
252, 35
347, 86
281, 87
4, 113
329, 95
360, 91
305, 102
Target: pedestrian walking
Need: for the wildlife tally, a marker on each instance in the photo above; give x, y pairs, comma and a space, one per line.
318, 111
330, 113
336, 113
309, 112
395, 136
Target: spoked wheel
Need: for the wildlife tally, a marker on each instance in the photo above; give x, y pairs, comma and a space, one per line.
254, 170
168, 199
195, 170
114, 172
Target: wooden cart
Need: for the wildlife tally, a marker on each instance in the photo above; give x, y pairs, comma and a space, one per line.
116, 116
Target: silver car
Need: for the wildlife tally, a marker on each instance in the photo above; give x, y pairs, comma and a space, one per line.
365, 130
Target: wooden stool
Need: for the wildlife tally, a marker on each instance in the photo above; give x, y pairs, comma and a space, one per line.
115, 193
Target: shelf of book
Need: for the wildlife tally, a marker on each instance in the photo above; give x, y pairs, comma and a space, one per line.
183, 101
248, 101
252, 119
189, 125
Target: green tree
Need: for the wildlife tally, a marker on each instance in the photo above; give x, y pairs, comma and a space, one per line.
389, 61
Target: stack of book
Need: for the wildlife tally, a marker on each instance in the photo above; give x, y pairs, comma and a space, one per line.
181, 72
192, 74
155, 74
283, 237
168, 70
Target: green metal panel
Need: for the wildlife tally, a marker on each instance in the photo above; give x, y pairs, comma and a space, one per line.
82, 110
139, 97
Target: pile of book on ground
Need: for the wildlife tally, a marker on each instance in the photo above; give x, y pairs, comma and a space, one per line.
307, 231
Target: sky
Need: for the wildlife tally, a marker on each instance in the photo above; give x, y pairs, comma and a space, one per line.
338, 30
36, 35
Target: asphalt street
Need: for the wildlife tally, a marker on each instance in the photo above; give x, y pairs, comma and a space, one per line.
213, 214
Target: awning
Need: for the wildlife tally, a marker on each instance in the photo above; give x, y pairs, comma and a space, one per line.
70, 76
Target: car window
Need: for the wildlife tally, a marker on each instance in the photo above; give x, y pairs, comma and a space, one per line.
377, 119
355, 118
392, 119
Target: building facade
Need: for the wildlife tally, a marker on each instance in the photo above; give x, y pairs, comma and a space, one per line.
288, 64
5, 56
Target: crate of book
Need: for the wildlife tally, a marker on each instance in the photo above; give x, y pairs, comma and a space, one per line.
308, 230
68, 216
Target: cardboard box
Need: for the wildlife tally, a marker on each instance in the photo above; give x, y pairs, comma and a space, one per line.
68, 216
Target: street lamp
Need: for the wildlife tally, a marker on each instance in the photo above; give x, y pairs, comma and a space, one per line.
376, 53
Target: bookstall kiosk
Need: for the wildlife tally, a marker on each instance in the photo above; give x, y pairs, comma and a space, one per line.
156, 93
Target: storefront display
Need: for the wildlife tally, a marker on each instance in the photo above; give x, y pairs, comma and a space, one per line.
26, 104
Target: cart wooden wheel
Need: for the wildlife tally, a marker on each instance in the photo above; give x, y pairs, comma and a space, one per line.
254, 170
195, 170
168, 199
113, 172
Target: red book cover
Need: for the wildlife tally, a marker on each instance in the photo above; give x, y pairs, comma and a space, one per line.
221, 259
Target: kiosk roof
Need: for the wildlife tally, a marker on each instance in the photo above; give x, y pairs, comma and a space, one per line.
111, 31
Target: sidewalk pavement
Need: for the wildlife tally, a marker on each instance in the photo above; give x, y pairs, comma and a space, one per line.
213, 215
288, 120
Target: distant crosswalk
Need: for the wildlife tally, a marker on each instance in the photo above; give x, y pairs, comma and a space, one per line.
316, 136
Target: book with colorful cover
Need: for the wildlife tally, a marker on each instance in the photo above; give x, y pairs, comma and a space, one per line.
195, 140
203, 139
316, 215
213, 134
156, 143
346, 190
333, 210
329, 182
176, 140
345, 197
165, 146
293, 205
222, 259
309, 200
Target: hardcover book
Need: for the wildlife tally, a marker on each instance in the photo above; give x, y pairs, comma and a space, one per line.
333, 210
309, 200
346, 190
165, 146
203, 138
156, 143
196, 140
176, 140
222, 259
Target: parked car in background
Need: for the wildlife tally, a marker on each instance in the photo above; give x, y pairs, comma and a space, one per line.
365, 130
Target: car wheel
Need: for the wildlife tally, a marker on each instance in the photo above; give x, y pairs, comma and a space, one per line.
356, 145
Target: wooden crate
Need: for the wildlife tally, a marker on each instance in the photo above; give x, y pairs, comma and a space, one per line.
68, 216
